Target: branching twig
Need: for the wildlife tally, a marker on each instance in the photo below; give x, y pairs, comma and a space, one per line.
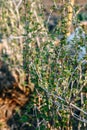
70, 105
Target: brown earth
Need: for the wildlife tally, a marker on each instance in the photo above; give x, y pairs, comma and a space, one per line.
13, 95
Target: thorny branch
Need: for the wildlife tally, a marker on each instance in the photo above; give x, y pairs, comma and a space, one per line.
68, 105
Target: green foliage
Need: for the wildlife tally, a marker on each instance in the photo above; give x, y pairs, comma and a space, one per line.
58, 77
82, 16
